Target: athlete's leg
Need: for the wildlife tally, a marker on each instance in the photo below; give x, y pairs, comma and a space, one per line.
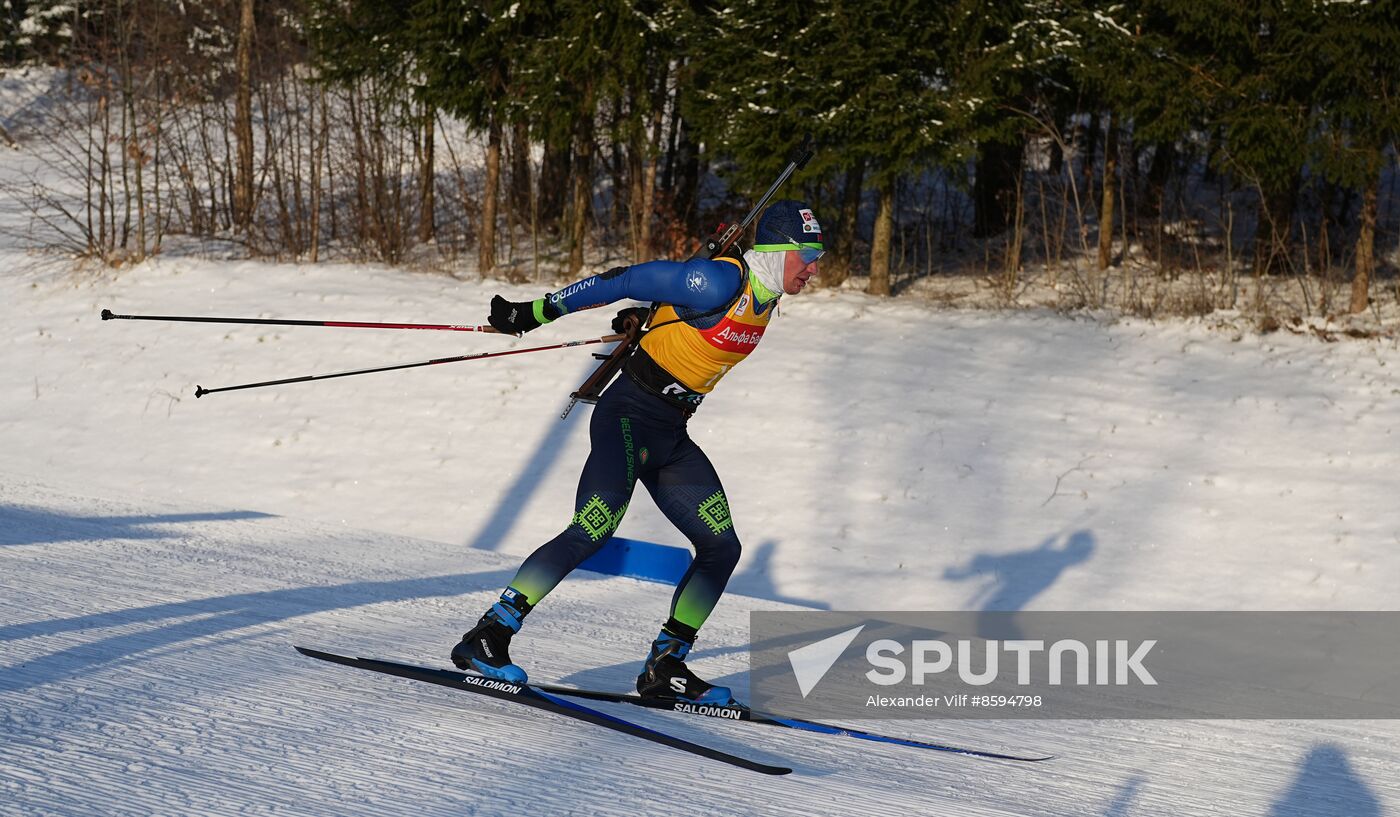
687, 489
604, 491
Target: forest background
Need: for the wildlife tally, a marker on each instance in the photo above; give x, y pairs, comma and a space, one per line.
1154, 157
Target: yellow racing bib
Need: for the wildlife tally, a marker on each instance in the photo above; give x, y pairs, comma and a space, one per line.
698, 358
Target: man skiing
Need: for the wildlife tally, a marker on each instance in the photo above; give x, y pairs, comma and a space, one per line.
713, 313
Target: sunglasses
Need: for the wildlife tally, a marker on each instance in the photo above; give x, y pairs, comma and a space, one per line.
808, 255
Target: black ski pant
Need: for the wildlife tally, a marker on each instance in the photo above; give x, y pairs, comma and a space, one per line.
637, 436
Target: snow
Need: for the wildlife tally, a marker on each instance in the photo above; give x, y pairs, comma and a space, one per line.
148, 669
890, 442
161, 554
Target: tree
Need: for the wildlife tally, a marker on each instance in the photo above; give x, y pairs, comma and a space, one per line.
365, 48
37, 30
595, 52
1355, 76
1103, 61
997, 50
474, 57
1240, 61
866, 79
244, 187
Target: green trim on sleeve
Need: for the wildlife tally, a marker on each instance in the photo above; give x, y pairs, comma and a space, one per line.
537, 307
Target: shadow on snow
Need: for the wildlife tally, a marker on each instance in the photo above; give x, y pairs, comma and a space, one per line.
21, 525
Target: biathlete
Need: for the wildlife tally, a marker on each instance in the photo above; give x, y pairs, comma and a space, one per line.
712, 316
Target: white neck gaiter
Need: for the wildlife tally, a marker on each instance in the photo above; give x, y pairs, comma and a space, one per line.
767, 268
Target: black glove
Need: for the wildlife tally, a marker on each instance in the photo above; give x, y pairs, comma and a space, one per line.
641, 313
519, 317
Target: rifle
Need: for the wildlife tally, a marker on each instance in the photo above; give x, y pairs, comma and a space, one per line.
713, 247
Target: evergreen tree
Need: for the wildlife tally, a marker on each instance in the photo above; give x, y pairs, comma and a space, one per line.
1354, 68
549, 66
1103, 64
997, 50
364, 39
1239, 61
474, 56
866, 79
37, 30
595, 53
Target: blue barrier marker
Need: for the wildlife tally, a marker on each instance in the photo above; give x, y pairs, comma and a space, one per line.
636, 559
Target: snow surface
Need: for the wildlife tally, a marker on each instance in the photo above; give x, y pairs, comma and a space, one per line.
161, 554
148, 669
877, 454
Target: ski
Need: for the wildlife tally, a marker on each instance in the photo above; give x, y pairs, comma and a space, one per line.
534, 697
739, 712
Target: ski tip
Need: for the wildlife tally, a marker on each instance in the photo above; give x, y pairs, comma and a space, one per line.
1017, 758
763, 768
1003, 756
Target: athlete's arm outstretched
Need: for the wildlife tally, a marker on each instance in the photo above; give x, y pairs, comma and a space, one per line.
700, 283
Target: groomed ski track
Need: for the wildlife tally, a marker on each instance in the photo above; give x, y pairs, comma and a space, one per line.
146, 668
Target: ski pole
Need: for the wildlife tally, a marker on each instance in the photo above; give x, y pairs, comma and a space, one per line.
107, 315
200, 391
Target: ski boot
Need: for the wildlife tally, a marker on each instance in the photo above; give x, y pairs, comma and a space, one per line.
486, 647
666, 676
